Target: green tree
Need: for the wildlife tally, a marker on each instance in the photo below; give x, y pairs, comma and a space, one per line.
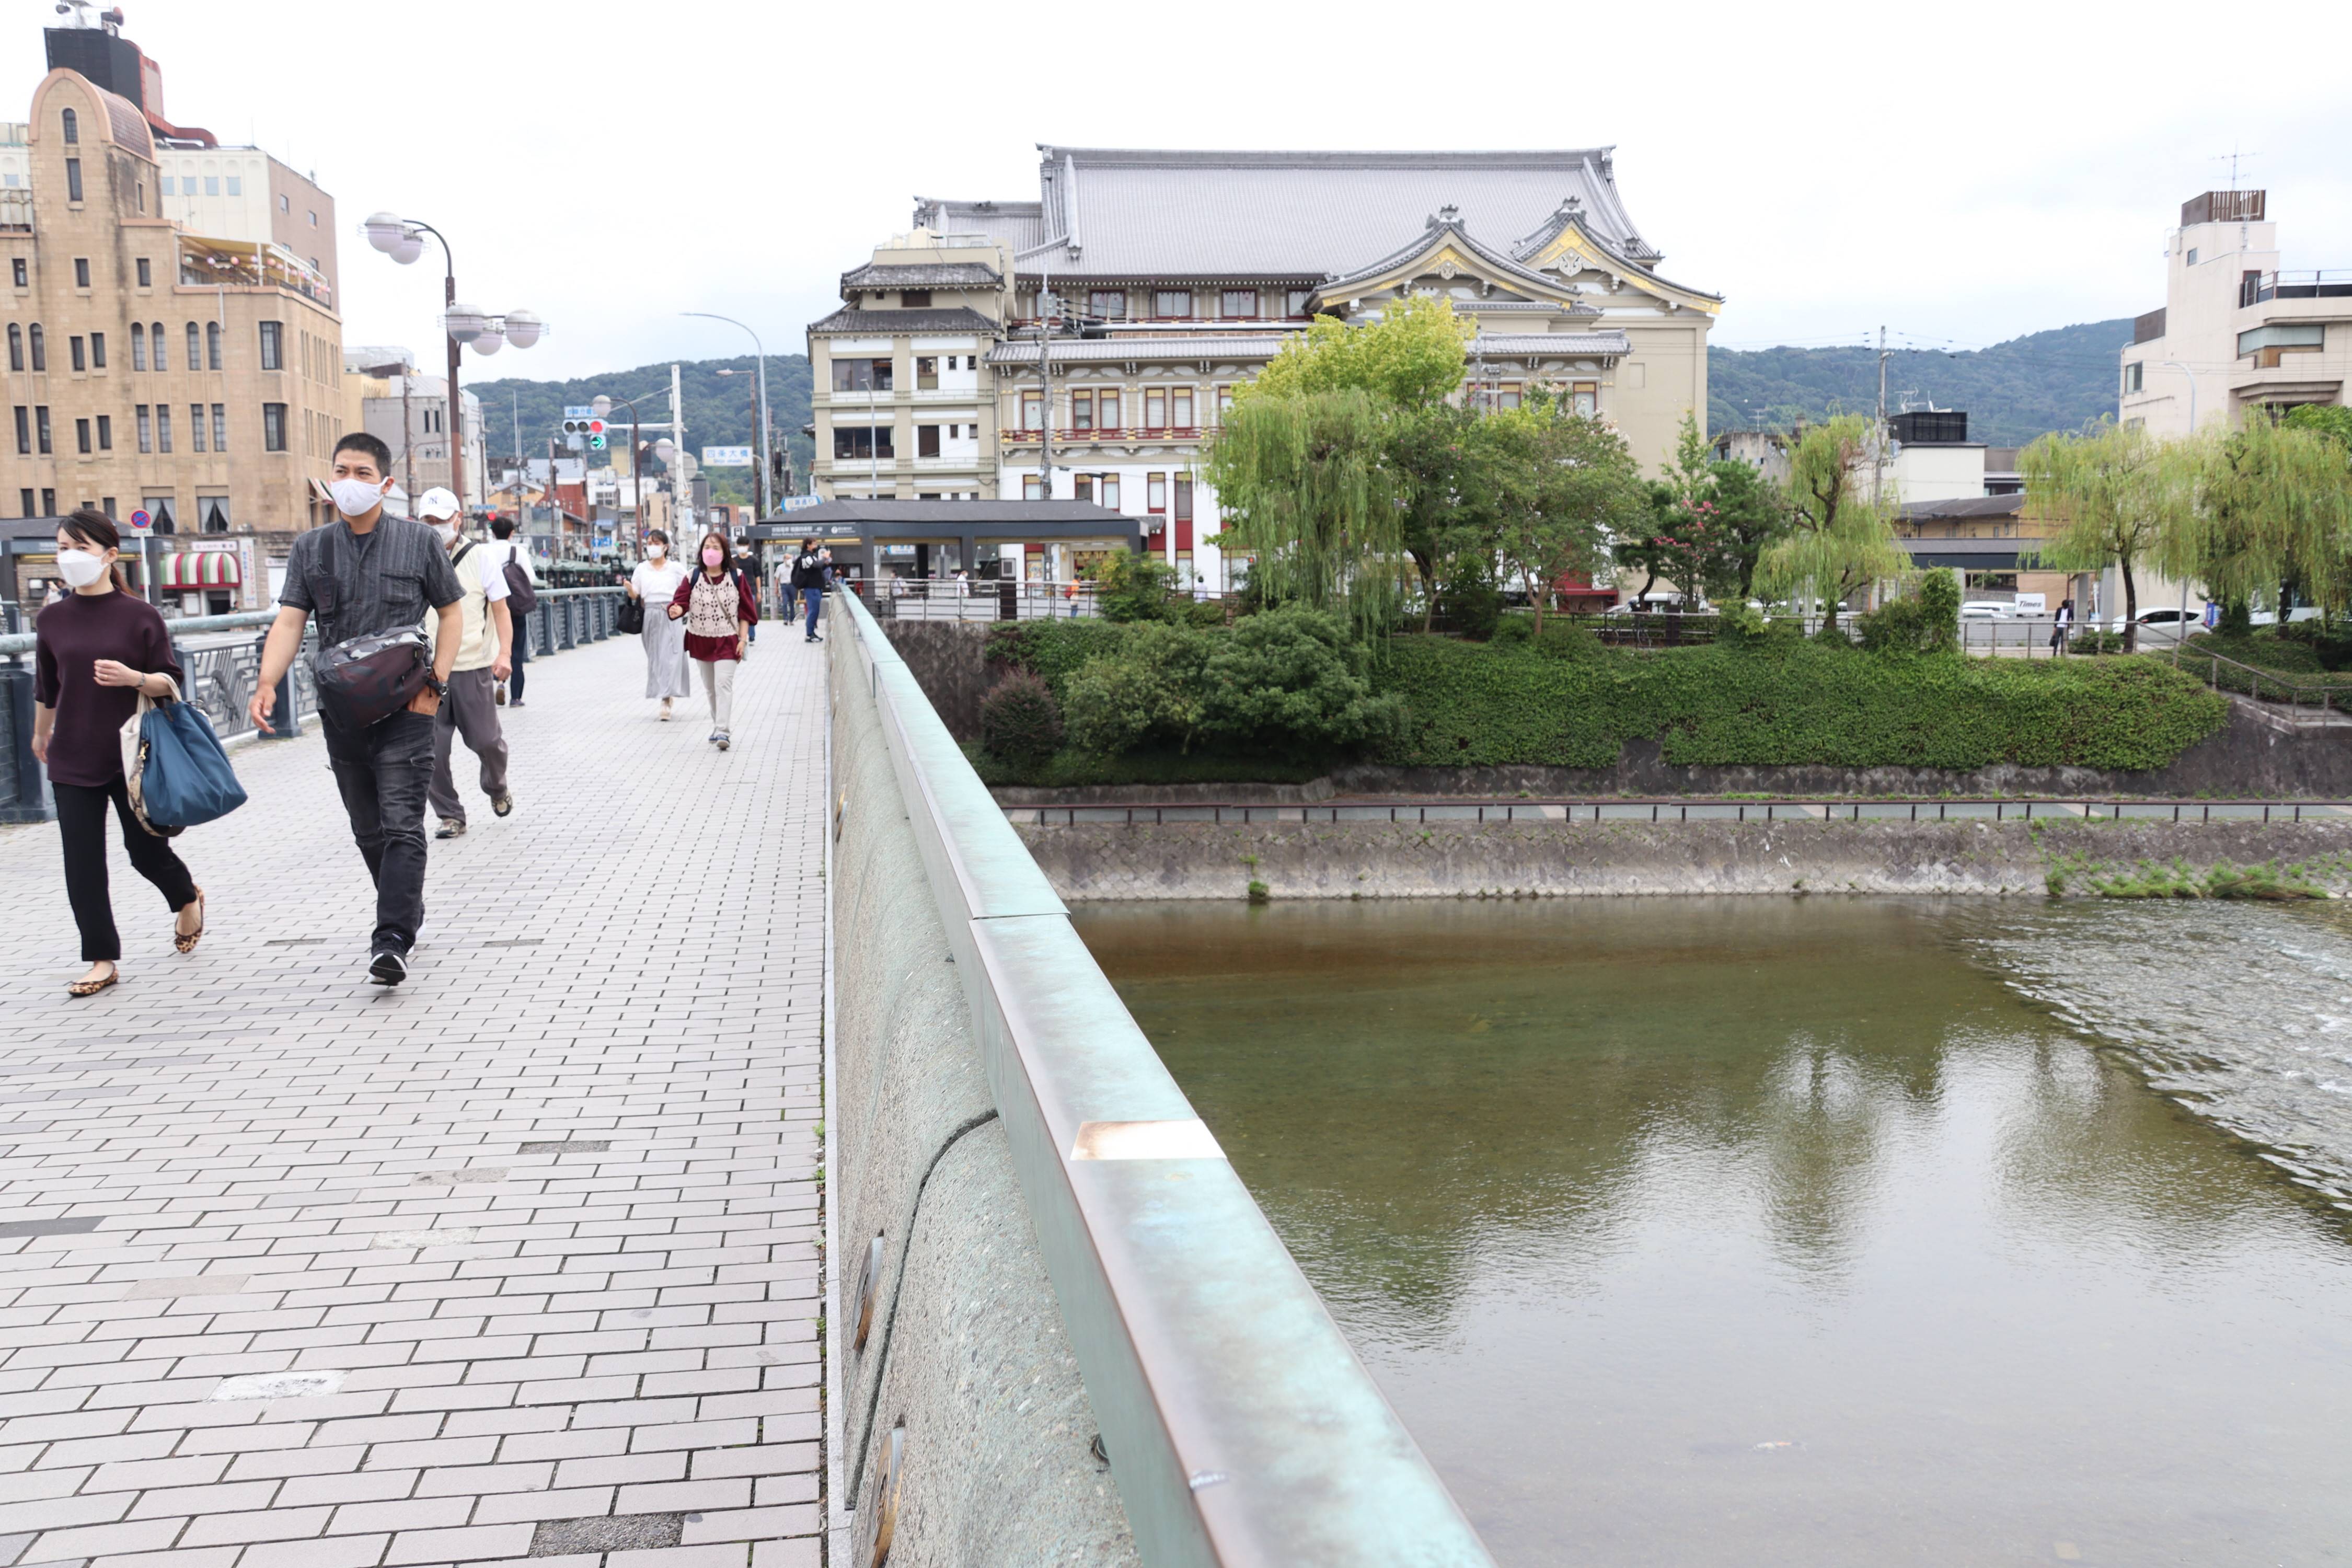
1431, 458
1839, 536
2107, 495
1751, 513
2333, 420
2268, 505
1305, 487
1131, 586
1412, 356
1552, 491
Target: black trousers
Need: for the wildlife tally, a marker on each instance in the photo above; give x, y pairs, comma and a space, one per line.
383, 773
521, 657
81, 824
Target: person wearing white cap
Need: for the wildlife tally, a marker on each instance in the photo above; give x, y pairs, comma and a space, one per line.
485, 655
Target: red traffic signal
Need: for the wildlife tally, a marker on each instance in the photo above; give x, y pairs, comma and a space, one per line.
595, 427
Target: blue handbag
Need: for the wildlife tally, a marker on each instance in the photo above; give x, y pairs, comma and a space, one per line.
183, 772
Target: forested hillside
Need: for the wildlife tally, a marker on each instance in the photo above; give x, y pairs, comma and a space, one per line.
719, 409
2012, 391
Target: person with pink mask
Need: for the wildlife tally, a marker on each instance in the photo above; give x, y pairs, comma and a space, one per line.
719, 610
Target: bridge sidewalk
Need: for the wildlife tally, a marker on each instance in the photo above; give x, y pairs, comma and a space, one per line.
520, 1259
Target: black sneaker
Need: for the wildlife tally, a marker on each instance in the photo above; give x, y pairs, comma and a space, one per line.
387, 968
453, 829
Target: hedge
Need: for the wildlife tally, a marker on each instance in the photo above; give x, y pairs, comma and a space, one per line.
1778, 702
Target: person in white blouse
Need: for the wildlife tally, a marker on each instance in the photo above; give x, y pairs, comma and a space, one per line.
669, 673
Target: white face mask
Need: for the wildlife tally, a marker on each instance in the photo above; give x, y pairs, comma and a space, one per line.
81, 568
448, 531
656, 551
356, 497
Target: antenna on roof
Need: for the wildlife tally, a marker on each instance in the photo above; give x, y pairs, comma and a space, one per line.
2233, 155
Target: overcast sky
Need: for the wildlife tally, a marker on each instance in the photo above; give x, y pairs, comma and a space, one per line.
1960, 175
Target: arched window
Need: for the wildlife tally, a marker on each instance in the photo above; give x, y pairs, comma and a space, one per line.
212, 345
196, 349
15, 346
138, 345
40, 349
73, 128
159, 347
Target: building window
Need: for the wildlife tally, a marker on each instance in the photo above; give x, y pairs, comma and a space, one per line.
273, 346
927, 373
139, 193
160, 509
285, 205
863, 443
146, 273
138, 345
1032, 488
1108, 303
1032, 411
220, 428
41, 431
73, 179
1155, 494
157, 331
1082, 408
1108, 491
926, 440
15, 346
1179, 408
106, 432
1171, 304
212, 184
1106, 412
915, 298
1083, 488
2267, 343
48, 503
212, 345
1584, 398
146, 428
41, 348
73, 348
314, 222
24, 431
1224, 403
236, 186
24, 279
163, 428
195, 426
82, 271
1155, 408
432, 421
71, 123
861, 375
195, 350
2192, 255
2132, 373
1236, 304
1183, 500
273, 427
97, 351
25, 498
213, 513
81, 435
1297, 300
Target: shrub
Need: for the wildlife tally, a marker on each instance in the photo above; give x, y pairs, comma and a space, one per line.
1204, 614
1148, 689
1925, 621
1569, 639
1514, 631
1292, 680
1020, 721
1131, 586
2095, 642
1739, 626
1471, 607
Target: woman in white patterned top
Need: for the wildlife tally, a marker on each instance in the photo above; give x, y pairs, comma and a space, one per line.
720, 609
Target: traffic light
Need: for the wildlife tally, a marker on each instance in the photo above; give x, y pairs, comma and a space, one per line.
596, 435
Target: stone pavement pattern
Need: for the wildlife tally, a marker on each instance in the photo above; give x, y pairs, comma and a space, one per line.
519, 1261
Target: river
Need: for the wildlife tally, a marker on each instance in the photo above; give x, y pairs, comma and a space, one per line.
1814, 1231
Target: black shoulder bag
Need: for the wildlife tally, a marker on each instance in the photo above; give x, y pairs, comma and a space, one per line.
364, 680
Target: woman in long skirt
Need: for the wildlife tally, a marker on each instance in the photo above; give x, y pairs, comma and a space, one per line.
669, 674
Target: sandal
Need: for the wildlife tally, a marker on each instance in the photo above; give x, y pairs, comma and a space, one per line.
185, 941
92, 987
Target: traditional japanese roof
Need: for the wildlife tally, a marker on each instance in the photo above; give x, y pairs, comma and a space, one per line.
1550, 345
922, 275
1138, 212
855, 323
1232, 350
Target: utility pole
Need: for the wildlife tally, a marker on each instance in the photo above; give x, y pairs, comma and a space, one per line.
684, 497
1878, 442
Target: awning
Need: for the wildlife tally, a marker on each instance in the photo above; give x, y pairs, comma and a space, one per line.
199, 568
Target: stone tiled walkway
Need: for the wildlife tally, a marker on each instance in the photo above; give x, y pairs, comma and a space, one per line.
519, 1260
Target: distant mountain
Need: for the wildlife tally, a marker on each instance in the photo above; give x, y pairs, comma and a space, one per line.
2011, 392
717, 410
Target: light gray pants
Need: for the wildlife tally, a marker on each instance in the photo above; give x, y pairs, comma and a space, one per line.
469, 710
718, 685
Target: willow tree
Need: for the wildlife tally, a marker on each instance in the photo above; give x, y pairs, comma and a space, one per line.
2270, 504
1840, 534
1304, 486
2107, 495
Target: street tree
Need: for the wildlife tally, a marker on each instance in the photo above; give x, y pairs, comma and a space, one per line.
1552, 489
2266, 506
1840, 535
1306, 488
2106, 495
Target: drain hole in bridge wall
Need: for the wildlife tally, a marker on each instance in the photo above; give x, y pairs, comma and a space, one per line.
869, 1281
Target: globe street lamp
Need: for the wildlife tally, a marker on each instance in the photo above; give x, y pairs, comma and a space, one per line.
402, 239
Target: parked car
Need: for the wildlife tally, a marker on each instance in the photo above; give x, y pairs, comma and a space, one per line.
2270, 617
1659, 604
1988, 610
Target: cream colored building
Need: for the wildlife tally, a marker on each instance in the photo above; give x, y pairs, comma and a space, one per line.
197, 377
1187, 272
420, 452
2235, 330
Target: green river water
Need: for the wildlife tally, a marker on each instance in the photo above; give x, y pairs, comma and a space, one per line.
1695, 1231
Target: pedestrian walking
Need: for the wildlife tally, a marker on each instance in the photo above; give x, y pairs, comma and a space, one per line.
2061, 623
485, 657
747, 562
370, 578
716, 606
501, 548
96, 652
668, 672
810, 569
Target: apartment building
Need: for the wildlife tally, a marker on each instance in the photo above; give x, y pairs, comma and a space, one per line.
1173, 278
410, 414
2236, 330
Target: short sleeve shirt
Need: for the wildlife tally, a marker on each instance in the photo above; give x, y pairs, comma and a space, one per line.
358, 585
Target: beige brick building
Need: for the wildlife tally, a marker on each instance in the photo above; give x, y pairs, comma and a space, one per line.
150, 366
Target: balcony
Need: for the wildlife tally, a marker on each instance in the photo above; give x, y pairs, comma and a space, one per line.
2261, 288
1105, 435
245, 264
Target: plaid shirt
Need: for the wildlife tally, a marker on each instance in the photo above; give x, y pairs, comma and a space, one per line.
359, 585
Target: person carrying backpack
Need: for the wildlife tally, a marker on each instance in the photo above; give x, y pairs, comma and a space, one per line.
506, 556
720, 609
808, 582
485, 655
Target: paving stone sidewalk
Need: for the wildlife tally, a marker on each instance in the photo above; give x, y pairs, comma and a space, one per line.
519, 1261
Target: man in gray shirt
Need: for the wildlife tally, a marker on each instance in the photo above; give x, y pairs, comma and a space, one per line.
361, 575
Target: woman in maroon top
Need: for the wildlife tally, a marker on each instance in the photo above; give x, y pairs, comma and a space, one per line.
98, 649
720, 609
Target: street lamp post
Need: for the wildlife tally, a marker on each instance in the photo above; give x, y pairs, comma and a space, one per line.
760, 487
601, 406
402, 239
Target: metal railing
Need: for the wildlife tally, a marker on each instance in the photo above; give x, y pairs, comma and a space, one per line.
2307, 698
1241, 1429
946, 599
2051, 809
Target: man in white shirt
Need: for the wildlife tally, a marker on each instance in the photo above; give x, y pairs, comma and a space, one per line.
485, 655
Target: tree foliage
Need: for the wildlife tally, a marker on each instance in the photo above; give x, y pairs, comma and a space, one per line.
1550, 490
1411, 356
1840, 535
2270, 505
2105, 496
1306, 488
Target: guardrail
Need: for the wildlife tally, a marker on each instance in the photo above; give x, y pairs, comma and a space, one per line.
221, 657
1240, 1428
1986, 809
2317, 693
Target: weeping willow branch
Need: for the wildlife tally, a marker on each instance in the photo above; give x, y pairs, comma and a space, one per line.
1303, 487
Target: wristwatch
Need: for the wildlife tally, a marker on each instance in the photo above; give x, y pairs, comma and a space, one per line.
435, 685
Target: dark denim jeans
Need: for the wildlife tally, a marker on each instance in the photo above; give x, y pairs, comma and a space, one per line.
383, 773
815, 607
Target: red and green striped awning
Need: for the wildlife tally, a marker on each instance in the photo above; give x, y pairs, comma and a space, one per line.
190, 569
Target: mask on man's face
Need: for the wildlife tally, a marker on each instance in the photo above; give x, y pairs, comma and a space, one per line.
448, 531
356, 497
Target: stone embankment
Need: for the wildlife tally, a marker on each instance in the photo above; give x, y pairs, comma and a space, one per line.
1463, 859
